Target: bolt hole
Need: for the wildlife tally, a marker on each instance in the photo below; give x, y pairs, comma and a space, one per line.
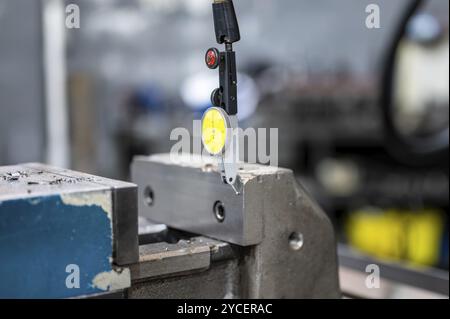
219, 211
296, 241
149, 196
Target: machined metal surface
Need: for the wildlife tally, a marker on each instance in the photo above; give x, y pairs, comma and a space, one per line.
166, 260
285, 242
184, 196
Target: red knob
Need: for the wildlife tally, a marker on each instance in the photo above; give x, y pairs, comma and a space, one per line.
212, 58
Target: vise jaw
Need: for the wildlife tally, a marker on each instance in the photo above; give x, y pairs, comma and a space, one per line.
287, 242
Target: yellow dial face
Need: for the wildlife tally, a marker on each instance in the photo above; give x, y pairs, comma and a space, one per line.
214, 131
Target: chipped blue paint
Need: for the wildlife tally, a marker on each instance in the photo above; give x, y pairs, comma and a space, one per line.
40, 236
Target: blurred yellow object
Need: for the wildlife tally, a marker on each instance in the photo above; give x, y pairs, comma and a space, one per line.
397, 235
214, 130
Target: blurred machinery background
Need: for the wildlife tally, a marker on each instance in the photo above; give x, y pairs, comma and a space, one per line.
92, 98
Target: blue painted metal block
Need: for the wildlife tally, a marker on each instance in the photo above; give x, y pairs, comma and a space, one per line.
62, 233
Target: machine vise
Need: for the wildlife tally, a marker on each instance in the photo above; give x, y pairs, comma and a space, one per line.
197, 237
